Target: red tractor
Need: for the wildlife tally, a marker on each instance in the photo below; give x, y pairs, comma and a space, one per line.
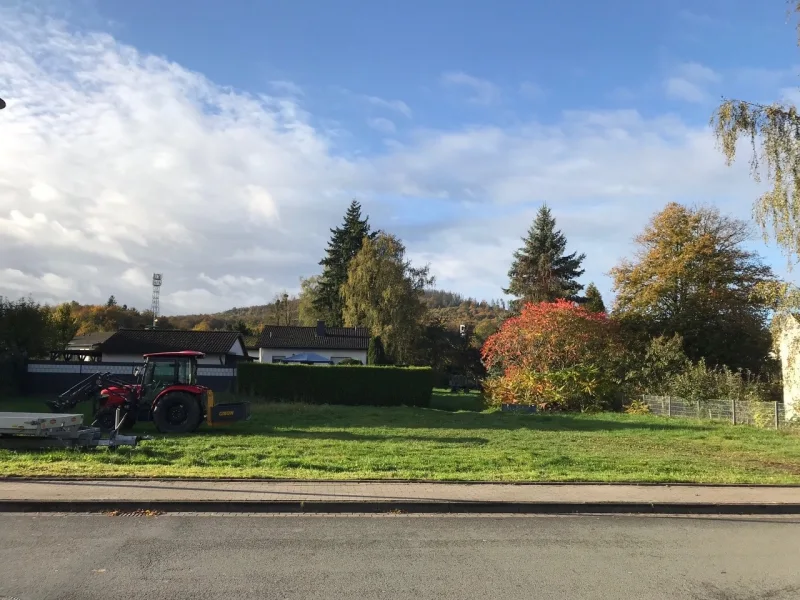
166, 392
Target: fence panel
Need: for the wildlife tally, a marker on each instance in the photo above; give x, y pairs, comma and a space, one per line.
739, 412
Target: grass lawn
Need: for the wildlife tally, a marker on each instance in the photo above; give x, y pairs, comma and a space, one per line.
332, 442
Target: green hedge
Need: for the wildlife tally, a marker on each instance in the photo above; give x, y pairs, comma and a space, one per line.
356, 385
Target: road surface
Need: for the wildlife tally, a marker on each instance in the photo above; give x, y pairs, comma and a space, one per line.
397, 557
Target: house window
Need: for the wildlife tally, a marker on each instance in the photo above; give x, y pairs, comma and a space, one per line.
277, 359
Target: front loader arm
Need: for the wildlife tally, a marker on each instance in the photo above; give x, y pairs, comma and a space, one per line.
86, 389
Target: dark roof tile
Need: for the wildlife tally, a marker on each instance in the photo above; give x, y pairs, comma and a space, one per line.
306, 338
89, 340
142, 341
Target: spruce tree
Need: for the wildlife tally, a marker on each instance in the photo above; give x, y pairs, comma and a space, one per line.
594, 300
541, 272
344, 244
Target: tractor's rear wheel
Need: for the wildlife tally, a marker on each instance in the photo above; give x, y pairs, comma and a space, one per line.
177, 413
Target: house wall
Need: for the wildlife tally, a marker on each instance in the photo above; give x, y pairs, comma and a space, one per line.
237, 349
54, 377
790, 366
267, 354
208, 359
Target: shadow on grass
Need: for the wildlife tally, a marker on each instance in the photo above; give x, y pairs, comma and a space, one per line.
267, 417
347, 436
273, 421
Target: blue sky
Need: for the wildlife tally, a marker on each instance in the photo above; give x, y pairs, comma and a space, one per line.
243, 129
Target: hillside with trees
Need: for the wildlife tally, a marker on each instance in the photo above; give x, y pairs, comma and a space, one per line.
690, 311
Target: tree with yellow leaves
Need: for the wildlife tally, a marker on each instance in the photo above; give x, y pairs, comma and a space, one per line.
774, 134
383, 293
692, 276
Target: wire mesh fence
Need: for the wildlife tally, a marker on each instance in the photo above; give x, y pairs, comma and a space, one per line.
769, 415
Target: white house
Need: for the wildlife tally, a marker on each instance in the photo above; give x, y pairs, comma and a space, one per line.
220, 347
335, 343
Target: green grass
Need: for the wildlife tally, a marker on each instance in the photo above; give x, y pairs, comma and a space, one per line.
333, 442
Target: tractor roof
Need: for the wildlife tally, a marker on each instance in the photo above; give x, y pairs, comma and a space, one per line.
181, 354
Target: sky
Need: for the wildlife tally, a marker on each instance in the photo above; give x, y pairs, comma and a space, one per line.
217, 143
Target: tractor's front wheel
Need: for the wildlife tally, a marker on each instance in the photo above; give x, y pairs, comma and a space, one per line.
177, 413
105, 418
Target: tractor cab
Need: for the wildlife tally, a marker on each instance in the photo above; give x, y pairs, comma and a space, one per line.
168, 368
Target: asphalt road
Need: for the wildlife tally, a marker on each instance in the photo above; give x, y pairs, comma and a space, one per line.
442, 558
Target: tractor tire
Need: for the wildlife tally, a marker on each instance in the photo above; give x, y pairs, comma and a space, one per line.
106, 417
177, 413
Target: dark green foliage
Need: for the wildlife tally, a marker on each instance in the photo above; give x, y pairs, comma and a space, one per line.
443, 299
358, 386
26, 331
344, 244
349, 362
448, 352
594, 300
376, 355
541, 272
64, 326
25, 328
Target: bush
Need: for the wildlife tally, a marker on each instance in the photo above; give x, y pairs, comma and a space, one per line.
637, 407
350, 385
349, 362
555, 355
699, 382
579, 388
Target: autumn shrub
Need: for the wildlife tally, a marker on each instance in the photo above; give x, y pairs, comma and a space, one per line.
637, 407
575, 388
556, 355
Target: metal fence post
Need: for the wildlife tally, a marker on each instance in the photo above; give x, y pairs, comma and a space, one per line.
698, 409
669, 406
733, 410
776, 415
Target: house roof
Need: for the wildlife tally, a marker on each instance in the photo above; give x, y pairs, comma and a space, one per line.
88, 341
145, 341
306, 338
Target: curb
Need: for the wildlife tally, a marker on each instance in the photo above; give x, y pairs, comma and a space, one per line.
111, 479
256, 506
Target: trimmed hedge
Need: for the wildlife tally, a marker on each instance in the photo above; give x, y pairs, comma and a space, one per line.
357, 385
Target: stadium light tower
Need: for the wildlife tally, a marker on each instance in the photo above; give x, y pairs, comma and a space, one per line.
156, 293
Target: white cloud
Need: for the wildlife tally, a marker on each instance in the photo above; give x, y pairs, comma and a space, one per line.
287, 87
683, 89
382, 125
43, 192
118, 164
136, 278
690, 82
482, 91
394, 105
48, 285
